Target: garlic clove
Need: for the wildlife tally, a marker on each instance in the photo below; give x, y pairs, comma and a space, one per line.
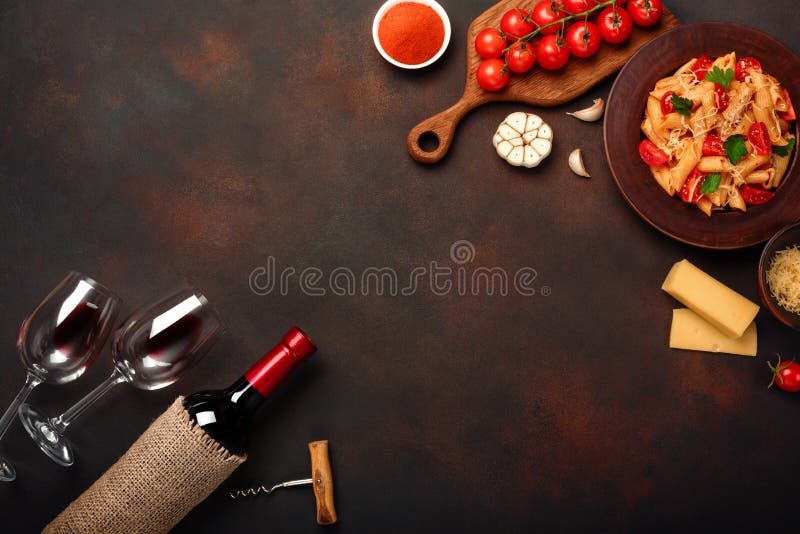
542, 147
545, 132
576, 163
507, 132
532, 158
516, 156
534, 122
503, 148
530, 136
517, 121
592, 113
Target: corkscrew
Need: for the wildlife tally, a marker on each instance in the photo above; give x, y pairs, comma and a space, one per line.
321, 480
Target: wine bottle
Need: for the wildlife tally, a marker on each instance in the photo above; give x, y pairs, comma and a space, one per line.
225, 415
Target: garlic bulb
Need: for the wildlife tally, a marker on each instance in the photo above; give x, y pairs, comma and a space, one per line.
523, 139
592, 113
576, 163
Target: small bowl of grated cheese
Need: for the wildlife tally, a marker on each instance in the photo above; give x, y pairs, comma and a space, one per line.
779, 276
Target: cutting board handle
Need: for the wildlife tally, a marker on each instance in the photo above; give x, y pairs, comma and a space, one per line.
442, 126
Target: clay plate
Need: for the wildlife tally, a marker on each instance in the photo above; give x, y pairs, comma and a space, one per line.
624, 114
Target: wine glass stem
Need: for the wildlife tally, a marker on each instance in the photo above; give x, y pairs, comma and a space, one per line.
61, 422
8, 417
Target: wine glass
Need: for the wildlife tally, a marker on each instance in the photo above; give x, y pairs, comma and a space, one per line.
60, 339
152, 349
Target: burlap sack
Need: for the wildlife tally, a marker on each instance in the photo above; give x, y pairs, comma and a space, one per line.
169, 470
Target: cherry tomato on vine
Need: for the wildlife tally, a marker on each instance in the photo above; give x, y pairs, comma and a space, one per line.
713, 146
745, 65
492, 74
547, 12
645, 12
785, 375
583, 39
667, 106
515, 24
690, 192
552, 52
520, 57
758, 137
489, 43
721, 97
578, 6
754, 195
651, 154
701, 66
615, 24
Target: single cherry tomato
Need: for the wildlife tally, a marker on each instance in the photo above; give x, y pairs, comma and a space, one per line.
721, 97
489, 43
690, 192
578, 6
515, 24
645, 12
492, 74
520, 57
583, 39
745, 65
552, 52
615, 24
651, 154
547, 12
758, 137
753, 194
789, 114
713, 146
701, 66
786, 375
667, 106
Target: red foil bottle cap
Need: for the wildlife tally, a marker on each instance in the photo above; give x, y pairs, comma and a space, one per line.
299, 343
267, 373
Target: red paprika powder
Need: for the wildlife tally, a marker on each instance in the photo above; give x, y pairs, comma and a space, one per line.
411, 33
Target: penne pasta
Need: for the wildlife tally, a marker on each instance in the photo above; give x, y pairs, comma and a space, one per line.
717, 120
714, 164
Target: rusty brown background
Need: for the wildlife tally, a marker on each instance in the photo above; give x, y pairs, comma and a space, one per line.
147, 143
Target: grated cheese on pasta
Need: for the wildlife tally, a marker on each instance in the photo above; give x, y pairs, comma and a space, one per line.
681, 138
783, 278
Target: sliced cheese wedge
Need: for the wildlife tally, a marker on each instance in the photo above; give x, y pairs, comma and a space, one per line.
727, 310
691, 332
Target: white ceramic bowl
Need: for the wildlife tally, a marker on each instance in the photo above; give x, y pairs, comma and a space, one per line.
430, 3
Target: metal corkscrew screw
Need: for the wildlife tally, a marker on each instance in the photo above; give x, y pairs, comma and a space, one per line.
321, 480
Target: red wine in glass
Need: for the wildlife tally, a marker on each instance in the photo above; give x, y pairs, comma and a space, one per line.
153, 349
61, 338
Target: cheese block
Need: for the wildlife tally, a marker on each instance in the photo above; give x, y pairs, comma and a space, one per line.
691, 332
727, 310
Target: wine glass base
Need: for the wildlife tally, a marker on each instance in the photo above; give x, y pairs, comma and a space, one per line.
52, 442
7, 473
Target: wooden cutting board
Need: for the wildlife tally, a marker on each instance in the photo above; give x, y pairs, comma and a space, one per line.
537, 88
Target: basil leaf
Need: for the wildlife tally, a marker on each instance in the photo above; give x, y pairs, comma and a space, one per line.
682, 105
710, 183
735, 148
722, 77
784, 150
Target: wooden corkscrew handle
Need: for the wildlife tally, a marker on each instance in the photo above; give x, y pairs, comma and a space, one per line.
322, 477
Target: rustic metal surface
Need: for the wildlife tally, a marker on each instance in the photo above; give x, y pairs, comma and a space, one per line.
147, 143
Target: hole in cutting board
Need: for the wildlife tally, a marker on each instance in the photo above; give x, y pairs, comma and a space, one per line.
428, 141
